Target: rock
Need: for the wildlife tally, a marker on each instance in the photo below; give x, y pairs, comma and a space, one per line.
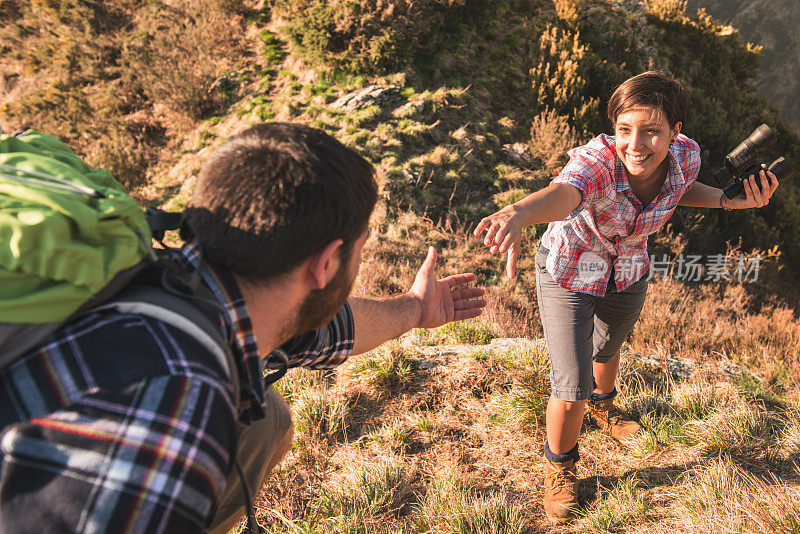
680, 368
224, 84
684, 368
372, 95
518, 153
410, 108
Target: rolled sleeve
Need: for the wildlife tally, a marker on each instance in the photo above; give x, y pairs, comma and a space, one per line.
323, 348
584, 171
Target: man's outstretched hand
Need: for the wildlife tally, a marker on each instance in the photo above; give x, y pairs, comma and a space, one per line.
442, 301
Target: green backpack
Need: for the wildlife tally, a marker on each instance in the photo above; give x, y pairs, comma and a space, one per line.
70, 238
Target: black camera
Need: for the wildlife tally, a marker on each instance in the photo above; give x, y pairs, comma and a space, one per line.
743, 161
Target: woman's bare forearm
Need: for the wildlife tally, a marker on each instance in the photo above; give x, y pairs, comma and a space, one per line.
701, 196
552, 203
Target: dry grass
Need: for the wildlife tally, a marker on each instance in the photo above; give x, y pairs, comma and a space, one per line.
413, 437
466, 431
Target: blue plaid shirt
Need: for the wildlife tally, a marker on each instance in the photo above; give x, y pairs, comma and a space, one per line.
122, 423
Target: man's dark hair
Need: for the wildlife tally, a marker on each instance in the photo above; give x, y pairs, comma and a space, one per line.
277, 193
652, 88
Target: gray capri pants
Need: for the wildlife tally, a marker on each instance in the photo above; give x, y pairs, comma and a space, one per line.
581, 328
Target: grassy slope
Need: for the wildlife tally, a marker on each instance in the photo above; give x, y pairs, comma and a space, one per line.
410, 438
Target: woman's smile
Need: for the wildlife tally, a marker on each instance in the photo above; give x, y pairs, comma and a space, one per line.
643, 137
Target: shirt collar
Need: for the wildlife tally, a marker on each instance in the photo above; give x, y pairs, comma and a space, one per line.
222, 283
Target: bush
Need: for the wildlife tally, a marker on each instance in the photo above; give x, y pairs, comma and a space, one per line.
558, 80
366, 36
569, 10
180, 55
80, 70
551, 137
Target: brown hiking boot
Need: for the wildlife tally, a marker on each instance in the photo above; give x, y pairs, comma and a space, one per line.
560, 499
611, 420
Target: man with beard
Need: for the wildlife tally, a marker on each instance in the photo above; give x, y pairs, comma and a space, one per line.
122, 422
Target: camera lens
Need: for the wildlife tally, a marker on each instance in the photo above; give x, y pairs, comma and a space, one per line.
781, 168
762, 137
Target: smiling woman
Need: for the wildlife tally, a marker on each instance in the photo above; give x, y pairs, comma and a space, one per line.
592, 267
643, 137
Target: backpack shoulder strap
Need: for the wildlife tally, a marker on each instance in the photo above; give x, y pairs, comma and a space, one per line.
202, 325
17, 339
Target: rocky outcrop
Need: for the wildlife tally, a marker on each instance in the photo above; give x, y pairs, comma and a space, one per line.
365, 97
681, 368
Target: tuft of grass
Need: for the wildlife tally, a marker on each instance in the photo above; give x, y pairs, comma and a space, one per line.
360, 501
426, 425
296, 381
386, 369
452, 506
617, 512
722, 497
470, 332
393, 433
318, 416
522, 408
742, 430
698, 399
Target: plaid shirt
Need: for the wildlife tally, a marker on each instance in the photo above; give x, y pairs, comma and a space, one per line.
122, 423
609, 228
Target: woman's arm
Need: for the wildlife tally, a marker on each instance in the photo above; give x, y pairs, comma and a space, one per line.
704, 196
504, 228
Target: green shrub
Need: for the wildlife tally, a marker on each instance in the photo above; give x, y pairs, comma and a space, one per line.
366, 36
558, 79
551, 137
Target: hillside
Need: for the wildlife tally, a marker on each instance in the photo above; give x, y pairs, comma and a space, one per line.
464, 106
771, 25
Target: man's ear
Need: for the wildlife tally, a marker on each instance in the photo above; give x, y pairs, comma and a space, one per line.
323, 265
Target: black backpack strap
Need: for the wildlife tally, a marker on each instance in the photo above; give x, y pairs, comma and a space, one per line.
182, 314
17, 339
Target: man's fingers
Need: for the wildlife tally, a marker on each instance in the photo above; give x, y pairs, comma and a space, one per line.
481, 227
460, 315
748, 191
773, 182
489, 239
469, 304
506, 242
467, 293
758, 194
458, 279
429, 264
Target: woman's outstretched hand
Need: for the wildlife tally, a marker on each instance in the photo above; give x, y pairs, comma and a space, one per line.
756, 193
503, 232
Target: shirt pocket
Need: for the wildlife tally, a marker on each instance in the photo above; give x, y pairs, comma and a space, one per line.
655, 219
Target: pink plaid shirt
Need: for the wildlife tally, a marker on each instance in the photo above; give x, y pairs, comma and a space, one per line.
610, 227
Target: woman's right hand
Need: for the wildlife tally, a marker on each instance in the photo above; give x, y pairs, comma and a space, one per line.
503, 232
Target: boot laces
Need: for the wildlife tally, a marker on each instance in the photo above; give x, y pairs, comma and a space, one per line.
561, 478
610, 412
615, 415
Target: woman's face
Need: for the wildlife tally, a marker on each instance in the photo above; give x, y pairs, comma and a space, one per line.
643, 137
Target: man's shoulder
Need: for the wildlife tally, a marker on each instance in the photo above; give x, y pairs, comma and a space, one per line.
126, 344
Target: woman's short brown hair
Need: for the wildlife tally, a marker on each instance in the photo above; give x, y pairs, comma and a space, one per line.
652, 88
